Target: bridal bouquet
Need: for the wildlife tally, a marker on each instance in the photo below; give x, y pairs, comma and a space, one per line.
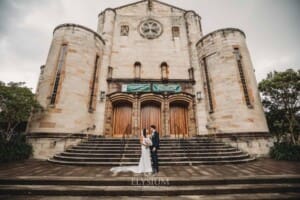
147, 142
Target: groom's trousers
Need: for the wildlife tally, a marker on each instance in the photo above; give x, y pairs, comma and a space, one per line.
154, 160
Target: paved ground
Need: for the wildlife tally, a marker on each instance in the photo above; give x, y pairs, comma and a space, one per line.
44, 168
191, 197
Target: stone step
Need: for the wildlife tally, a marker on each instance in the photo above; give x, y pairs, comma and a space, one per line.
245, 196
126, 181
169, 163
147, 190
231, 149
139, 147
117, 154
165, 141
161, 159
162, 139
165, 145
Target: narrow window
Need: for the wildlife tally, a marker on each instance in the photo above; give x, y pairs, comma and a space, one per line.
124, 30
191, 74
164, 71
93, 84
62, 55
42, 69
211, 107
109, 73
175, 31
238, 57
137, 70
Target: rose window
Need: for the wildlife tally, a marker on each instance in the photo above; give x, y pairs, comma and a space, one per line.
150, 29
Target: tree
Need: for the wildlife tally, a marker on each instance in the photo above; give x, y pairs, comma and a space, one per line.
16, 104
281, 100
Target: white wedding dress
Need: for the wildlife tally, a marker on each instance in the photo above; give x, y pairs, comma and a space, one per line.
144, 164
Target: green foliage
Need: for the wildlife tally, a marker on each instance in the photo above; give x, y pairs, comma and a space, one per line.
15, 149
285, 151
281, 100
16, 104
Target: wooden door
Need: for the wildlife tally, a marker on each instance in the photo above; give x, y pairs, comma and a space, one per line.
178, 120
122, 119
150, 114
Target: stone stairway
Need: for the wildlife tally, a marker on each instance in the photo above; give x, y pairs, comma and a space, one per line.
114, 152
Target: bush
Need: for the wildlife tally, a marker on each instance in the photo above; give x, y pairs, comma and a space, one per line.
15, 149
285, 151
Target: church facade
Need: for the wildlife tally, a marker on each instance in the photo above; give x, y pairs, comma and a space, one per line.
147, 63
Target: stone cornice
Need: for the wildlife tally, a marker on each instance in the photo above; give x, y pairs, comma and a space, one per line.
81, 27
153, 93
131, 80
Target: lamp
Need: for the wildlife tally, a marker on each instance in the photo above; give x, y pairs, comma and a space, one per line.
198, 96
102, 95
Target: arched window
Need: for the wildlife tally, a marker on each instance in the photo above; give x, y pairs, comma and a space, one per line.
137, 70
164, 71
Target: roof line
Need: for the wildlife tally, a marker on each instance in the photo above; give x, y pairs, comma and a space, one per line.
137, 2
79, 26
221, 30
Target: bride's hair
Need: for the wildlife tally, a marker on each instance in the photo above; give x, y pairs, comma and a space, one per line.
144, 133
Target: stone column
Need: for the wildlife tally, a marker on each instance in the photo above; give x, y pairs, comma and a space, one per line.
107, 29
194, 34
166, 116
135, 127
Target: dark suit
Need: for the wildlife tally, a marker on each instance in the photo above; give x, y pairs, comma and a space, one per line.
155, 143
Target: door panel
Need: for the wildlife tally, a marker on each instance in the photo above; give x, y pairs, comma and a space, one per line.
150, 114
122, 119
178, 120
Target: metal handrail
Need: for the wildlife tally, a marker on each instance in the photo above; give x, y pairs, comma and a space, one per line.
182, 141
123, 141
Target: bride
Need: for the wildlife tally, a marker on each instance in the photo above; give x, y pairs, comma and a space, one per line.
145, 159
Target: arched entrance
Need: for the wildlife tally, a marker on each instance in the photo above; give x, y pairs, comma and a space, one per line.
151, 114
178, 119
122, 118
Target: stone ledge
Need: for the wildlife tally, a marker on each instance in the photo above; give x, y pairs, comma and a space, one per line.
239, 135
59, 135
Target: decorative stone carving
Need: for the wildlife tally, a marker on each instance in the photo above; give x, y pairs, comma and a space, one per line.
150, 29
124, 30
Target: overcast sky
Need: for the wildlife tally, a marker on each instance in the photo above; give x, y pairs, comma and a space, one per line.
272, 28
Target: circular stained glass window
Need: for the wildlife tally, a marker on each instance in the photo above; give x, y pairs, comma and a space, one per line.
150, 29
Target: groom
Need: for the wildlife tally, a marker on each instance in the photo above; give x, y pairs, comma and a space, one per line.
154, 148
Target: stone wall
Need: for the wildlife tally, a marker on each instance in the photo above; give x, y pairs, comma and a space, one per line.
44, 148
126, 50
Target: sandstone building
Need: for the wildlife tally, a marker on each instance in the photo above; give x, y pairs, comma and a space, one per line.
147, 63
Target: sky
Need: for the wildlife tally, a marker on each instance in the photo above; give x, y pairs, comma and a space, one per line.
272, 28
